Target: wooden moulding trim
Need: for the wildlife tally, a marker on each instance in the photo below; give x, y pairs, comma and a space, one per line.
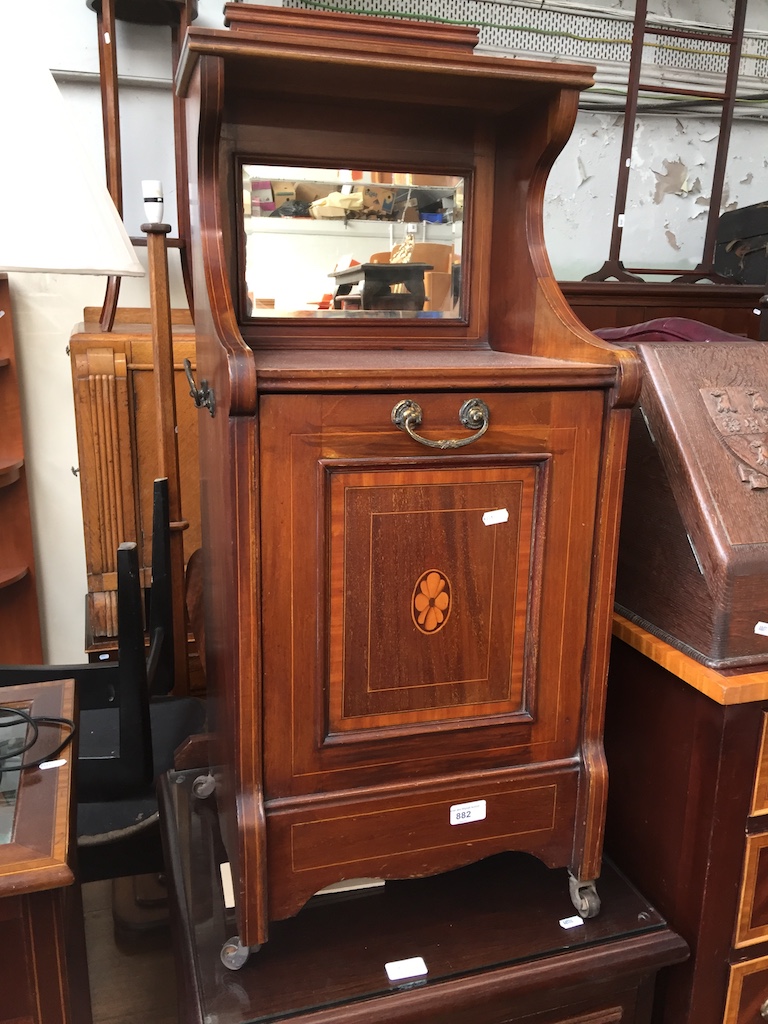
743, 688
133, 315
215, 42
12, 575
420, 58
274, 22
641, 291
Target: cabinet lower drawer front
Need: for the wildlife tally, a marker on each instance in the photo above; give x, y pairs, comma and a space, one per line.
747, 1001
415, 832
752, 918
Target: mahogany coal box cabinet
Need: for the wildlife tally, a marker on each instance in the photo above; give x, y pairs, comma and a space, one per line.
409, 505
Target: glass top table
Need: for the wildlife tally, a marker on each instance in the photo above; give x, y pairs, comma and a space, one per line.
494, 918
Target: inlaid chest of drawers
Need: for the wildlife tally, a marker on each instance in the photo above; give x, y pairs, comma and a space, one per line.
687, 750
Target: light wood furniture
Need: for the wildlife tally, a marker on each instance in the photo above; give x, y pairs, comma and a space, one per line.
400, 685
43, 968
687, 750
117, 438
20, 638
504, 958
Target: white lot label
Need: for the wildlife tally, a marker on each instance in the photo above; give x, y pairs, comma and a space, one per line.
761, 628
460, 814
571, 922
227, 888
496, 515
414, 967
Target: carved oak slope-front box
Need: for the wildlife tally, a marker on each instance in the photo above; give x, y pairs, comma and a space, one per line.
410, 504
693, 562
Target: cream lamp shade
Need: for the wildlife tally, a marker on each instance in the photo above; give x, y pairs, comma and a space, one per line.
56, 215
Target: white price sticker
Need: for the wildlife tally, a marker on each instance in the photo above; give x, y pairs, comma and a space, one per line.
761, 628
413, 967
496, 515
461, 814
571, 922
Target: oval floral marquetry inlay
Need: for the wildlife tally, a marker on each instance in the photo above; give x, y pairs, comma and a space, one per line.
431, 602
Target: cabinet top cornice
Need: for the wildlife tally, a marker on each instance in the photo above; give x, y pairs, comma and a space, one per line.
283, 36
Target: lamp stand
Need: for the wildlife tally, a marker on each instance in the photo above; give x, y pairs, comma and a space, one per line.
168, 450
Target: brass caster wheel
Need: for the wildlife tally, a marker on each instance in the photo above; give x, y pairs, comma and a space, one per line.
584, 897
203, 786
234, 954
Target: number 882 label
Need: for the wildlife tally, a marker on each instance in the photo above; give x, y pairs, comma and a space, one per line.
462, 814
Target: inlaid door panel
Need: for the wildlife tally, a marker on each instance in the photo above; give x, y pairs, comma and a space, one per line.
424, 608
429, 602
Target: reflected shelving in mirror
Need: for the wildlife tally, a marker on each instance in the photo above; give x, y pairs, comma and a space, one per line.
340, 243
13, 733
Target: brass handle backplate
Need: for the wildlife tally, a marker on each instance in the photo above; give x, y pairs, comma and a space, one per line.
473, 414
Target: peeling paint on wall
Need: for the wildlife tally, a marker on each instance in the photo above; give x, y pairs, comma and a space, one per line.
668, 197
670, 236
673, 181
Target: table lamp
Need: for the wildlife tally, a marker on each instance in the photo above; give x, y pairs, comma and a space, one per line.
56, 215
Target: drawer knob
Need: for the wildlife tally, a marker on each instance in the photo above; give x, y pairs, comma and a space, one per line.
764, 1010
473, 414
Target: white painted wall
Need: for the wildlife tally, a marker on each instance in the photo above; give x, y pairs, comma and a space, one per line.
665, 214
46, 307
669, 189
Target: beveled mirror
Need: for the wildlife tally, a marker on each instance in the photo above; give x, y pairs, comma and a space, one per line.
338, 243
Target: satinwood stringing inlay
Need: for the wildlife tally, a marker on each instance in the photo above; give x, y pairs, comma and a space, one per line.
431, 601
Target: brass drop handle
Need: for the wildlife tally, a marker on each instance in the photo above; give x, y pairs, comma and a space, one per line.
473, 414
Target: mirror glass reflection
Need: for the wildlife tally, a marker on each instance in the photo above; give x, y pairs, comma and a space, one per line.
335, 243
13, 734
